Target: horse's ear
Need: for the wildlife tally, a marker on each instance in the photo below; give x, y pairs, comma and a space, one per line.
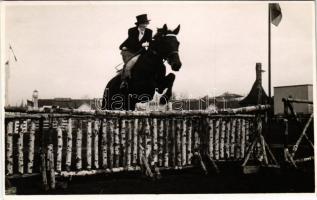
176, 31
164, 28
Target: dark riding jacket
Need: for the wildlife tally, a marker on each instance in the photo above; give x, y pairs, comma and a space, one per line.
133, 43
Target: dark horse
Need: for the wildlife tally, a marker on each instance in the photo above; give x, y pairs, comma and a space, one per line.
148, 74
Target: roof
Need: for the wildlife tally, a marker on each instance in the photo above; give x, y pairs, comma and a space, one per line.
66, 102
252, 97
294, 85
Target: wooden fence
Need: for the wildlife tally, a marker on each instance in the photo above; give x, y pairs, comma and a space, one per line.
73, 143
112, 143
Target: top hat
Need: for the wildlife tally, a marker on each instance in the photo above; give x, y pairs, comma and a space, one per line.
142, 19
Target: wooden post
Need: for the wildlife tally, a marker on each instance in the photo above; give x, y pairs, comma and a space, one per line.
189, 140
263, 150
173, 143
122, 135
9, 149
147, 139
116, 143
96, 138
285, 140
213, 163
69, 145
295, 147
59, 147
50, 165
247, 132
196, 136
89, 146
166, 142
242, 138
135, 141
184, 142
228, 131
178, 143
211, 137
161, 142
233, 130
217, 128
20, 148
129, 143
111, 143
155, 146
43, 156
145, 164
79, 137
255, 141
201, 163
31, 148
238, 139
120, 144
140, 128
104, 143
222, 139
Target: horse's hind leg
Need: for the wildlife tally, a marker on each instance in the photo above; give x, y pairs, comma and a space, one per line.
166, 82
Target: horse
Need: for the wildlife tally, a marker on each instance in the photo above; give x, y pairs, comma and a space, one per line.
147, 75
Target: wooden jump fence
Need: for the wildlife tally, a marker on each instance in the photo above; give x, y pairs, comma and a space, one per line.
74, 143
290, 152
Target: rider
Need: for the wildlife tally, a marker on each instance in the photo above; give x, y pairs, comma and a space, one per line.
138, 38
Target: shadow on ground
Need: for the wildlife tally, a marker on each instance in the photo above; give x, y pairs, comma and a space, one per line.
188, 181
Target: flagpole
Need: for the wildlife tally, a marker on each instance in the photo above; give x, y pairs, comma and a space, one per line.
269, 50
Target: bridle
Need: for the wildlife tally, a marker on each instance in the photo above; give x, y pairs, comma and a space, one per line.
170, 53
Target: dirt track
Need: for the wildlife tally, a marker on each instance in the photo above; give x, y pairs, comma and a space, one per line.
183, 182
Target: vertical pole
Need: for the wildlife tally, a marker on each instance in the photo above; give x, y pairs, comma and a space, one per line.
111, 142
116, 143
184, 142
89, 137
155, 138
79, 137
189, 140
135, 140
104, 141
20, 147
31, 148
269, 50
96, 141
285, 140
9, 147
161, 142
69, 145
233, 144
129, 143
43, 159
166, 142
59, 147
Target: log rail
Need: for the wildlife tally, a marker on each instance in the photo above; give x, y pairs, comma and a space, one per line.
83, 143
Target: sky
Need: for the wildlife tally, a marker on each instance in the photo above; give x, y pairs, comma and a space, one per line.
71, 49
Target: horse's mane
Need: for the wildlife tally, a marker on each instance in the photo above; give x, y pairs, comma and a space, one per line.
164, 31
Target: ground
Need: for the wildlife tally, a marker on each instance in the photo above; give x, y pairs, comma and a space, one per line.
190, 181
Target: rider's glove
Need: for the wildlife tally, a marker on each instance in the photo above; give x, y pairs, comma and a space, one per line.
145, 44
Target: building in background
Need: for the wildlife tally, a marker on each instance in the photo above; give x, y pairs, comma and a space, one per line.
304, 92
80, 104
257, 89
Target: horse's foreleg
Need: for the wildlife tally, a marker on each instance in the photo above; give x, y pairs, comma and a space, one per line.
166, 82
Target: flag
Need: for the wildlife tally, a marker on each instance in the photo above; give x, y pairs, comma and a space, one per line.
276, 13
15, 58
